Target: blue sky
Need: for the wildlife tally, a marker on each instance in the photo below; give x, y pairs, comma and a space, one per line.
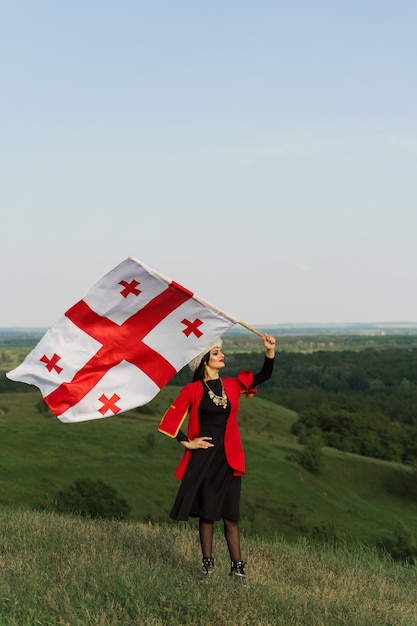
263, 154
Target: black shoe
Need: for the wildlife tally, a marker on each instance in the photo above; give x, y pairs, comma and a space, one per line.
237, 568
208, 565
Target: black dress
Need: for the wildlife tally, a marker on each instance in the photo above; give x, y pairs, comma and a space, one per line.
209, 489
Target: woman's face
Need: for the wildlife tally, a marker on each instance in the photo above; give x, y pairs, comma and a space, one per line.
216, 360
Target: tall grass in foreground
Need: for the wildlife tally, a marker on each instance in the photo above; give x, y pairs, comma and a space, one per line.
58, 570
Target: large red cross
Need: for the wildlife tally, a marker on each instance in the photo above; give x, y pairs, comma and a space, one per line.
118, 343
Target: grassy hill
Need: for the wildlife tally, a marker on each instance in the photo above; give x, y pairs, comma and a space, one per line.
64, 571
354, 499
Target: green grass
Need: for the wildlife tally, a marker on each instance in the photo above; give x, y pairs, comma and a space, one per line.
63, 571
356, 499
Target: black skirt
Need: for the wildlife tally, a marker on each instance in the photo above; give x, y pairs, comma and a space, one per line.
209, 489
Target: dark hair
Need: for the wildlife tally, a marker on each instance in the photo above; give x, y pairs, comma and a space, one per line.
199, 372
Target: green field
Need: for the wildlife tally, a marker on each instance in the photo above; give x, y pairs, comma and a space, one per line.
323, 548
356, 499
66, 571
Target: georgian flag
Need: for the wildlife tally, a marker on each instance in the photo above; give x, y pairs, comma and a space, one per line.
115, 349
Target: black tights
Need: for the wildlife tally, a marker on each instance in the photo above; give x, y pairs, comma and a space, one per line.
231, 533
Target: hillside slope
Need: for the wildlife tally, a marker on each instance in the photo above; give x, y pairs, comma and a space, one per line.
355, 499
72, 572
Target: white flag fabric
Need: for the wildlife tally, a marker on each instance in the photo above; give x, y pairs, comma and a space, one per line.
117, 347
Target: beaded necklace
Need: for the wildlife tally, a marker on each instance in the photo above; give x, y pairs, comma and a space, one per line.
217, 400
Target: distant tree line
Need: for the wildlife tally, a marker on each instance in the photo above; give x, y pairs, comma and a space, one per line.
358, 401
363, 402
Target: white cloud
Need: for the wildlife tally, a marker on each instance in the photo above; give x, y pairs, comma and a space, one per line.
399, 142
288, 144
302, 267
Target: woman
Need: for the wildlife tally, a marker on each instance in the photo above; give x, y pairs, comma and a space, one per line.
213, 461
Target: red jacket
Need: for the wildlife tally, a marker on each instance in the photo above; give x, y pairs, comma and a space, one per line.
189, 400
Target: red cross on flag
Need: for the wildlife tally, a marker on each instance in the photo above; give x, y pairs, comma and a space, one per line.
116, 348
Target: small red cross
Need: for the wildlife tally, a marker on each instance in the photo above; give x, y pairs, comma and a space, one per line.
51, 364
129, 288
192, 327
109, 404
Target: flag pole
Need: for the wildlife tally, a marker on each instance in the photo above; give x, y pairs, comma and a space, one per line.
253, 330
